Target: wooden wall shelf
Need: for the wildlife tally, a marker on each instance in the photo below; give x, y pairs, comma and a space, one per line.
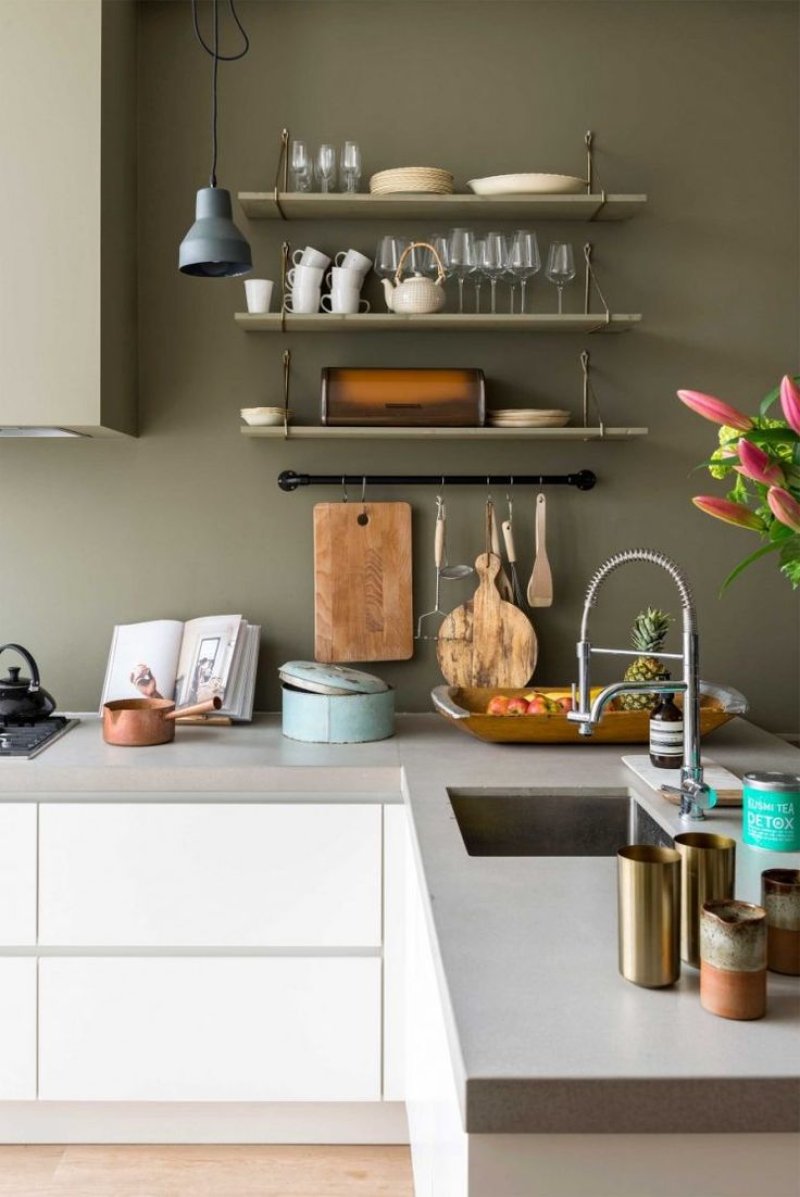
440, 321
321, 433
460, 209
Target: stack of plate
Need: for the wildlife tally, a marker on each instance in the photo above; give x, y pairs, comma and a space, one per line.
429, 179
528, 417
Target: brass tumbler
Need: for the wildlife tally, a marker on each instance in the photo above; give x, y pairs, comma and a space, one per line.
708, 868
649, 895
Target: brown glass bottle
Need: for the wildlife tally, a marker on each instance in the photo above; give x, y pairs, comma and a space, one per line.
666, 734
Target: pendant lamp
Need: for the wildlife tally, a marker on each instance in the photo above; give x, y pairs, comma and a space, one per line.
214, 247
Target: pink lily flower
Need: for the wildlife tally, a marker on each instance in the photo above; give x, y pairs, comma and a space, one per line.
784, 507
731, 513
790, 402
758, 465
715, 410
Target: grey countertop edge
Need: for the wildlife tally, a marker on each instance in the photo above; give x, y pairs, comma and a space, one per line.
677, 1105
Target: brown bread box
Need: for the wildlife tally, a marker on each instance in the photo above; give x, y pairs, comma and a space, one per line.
402, 398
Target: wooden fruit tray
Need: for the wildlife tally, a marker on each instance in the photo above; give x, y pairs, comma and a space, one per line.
466, 709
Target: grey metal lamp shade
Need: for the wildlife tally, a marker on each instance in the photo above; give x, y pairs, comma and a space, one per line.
214, 247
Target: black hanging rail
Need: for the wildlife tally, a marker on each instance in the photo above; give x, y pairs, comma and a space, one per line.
290, 480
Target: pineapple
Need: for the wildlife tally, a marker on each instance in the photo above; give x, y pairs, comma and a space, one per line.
648, 634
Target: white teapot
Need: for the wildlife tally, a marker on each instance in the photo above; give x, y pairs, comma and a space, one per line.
418, 295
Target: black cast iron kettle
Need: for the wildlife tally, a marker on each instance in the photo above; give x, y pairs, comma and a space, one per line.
22, 699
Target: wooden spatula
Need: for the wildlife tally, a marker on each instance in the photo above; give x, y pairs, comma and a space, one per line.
540, 586
487, 641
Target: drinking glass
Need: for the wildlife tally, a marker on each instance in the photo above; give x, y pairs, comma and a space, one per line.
350, 166
388, 254
480, 271
300, 167
427, 262
523, 261
560, 267
461, 249
495, 261
325, 167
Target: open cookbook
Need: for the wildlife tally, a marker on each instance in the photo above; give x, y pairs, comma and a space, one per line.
188, 662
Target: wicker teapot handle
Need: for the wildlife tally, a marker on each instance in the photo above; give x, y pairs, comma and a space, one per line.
420, 245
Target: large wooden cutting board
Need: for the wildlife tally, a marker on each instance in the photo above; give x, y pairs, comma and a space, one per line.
487, 641
362, 582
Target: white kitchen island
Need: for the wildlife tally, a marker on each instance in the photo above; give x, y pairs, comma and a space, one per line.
240, 938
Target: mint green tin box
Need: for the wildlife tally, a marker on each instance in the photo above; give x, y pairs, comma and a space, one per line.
771, 811
331, 704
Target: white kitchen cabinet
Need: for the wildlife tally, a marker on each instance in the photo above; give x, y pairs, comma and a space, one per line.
17, 874
395, 831
213, 875
68, 208
17, 1029
199, 1029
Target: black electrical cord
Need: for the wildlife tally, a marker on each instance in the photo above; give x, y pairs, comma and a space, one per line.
217, 58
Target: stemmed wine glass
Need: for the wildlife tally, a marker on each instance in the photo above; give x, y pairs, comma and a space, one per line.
350, 166
425, 261
560, 267
325, 168
523, 261
495, 259
480, 271
462, 258
388, 254
300, 165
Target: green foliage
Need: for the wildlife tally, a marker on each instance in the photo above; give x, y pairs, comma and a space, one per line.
790, 559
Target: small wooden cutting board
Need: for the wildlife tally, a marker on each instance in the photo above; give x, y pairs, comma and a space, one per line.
487, 641
362, 582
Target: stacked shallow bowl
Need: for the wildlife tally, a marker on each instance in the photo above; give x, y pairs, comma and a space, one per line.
403, 179
528, 417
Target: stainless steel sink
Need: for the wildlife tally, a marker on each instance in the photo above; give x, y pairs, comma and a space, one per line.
551, 822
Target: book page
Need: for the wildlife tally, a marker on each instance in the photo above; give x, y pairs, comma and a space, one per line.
143, 661
205, 658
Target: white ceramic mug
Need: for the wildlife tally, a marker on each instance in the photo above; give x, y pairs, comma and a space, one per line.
351, 259
343, 276
259, 294
304, 276
311, 257
304, 301
344, 302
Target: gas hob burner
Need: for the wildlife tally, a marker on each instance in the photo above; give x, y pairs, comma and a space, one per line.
27, 739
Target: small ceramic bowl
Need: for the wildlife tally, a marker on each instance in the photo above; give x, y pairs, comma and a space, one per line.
262, 416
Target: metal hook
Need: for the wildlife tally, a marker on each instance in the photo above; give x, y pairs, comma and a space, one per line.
363, 518
344, 488
510, 500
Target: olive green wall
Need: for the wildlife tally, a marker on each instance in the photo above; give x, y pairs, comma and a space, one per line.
695, 104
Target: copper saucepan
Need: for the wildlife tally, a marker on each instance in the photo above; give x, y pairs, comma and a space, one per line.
140, 722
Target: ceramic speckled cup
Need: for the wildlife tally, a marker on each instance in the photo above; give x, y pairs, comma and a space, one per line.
780, 897
733, 959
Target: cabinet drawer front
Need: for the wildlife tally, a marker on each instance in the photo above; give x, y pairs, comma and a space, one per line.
17, 873
210, 875
201, 1029
17, 1029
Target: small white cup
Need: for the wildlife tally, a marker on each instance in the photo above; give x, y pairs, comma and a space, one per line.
304, 301
311, 257
351, 259
344, 302
344, 276
303, 276
259, 294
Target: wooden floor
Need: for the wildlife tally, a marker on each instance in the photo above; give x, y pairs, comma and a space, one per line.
200, 1171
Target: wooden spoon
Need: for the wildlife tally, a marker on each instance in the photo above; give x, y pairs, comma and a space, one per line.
540, 586
503, 582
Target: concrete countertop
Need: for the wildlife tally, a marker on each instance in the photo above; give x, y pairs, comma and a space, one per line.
545, 1034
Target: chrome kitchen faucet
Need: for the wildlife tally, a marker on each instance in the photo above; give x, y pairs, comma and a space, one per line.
694, 794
